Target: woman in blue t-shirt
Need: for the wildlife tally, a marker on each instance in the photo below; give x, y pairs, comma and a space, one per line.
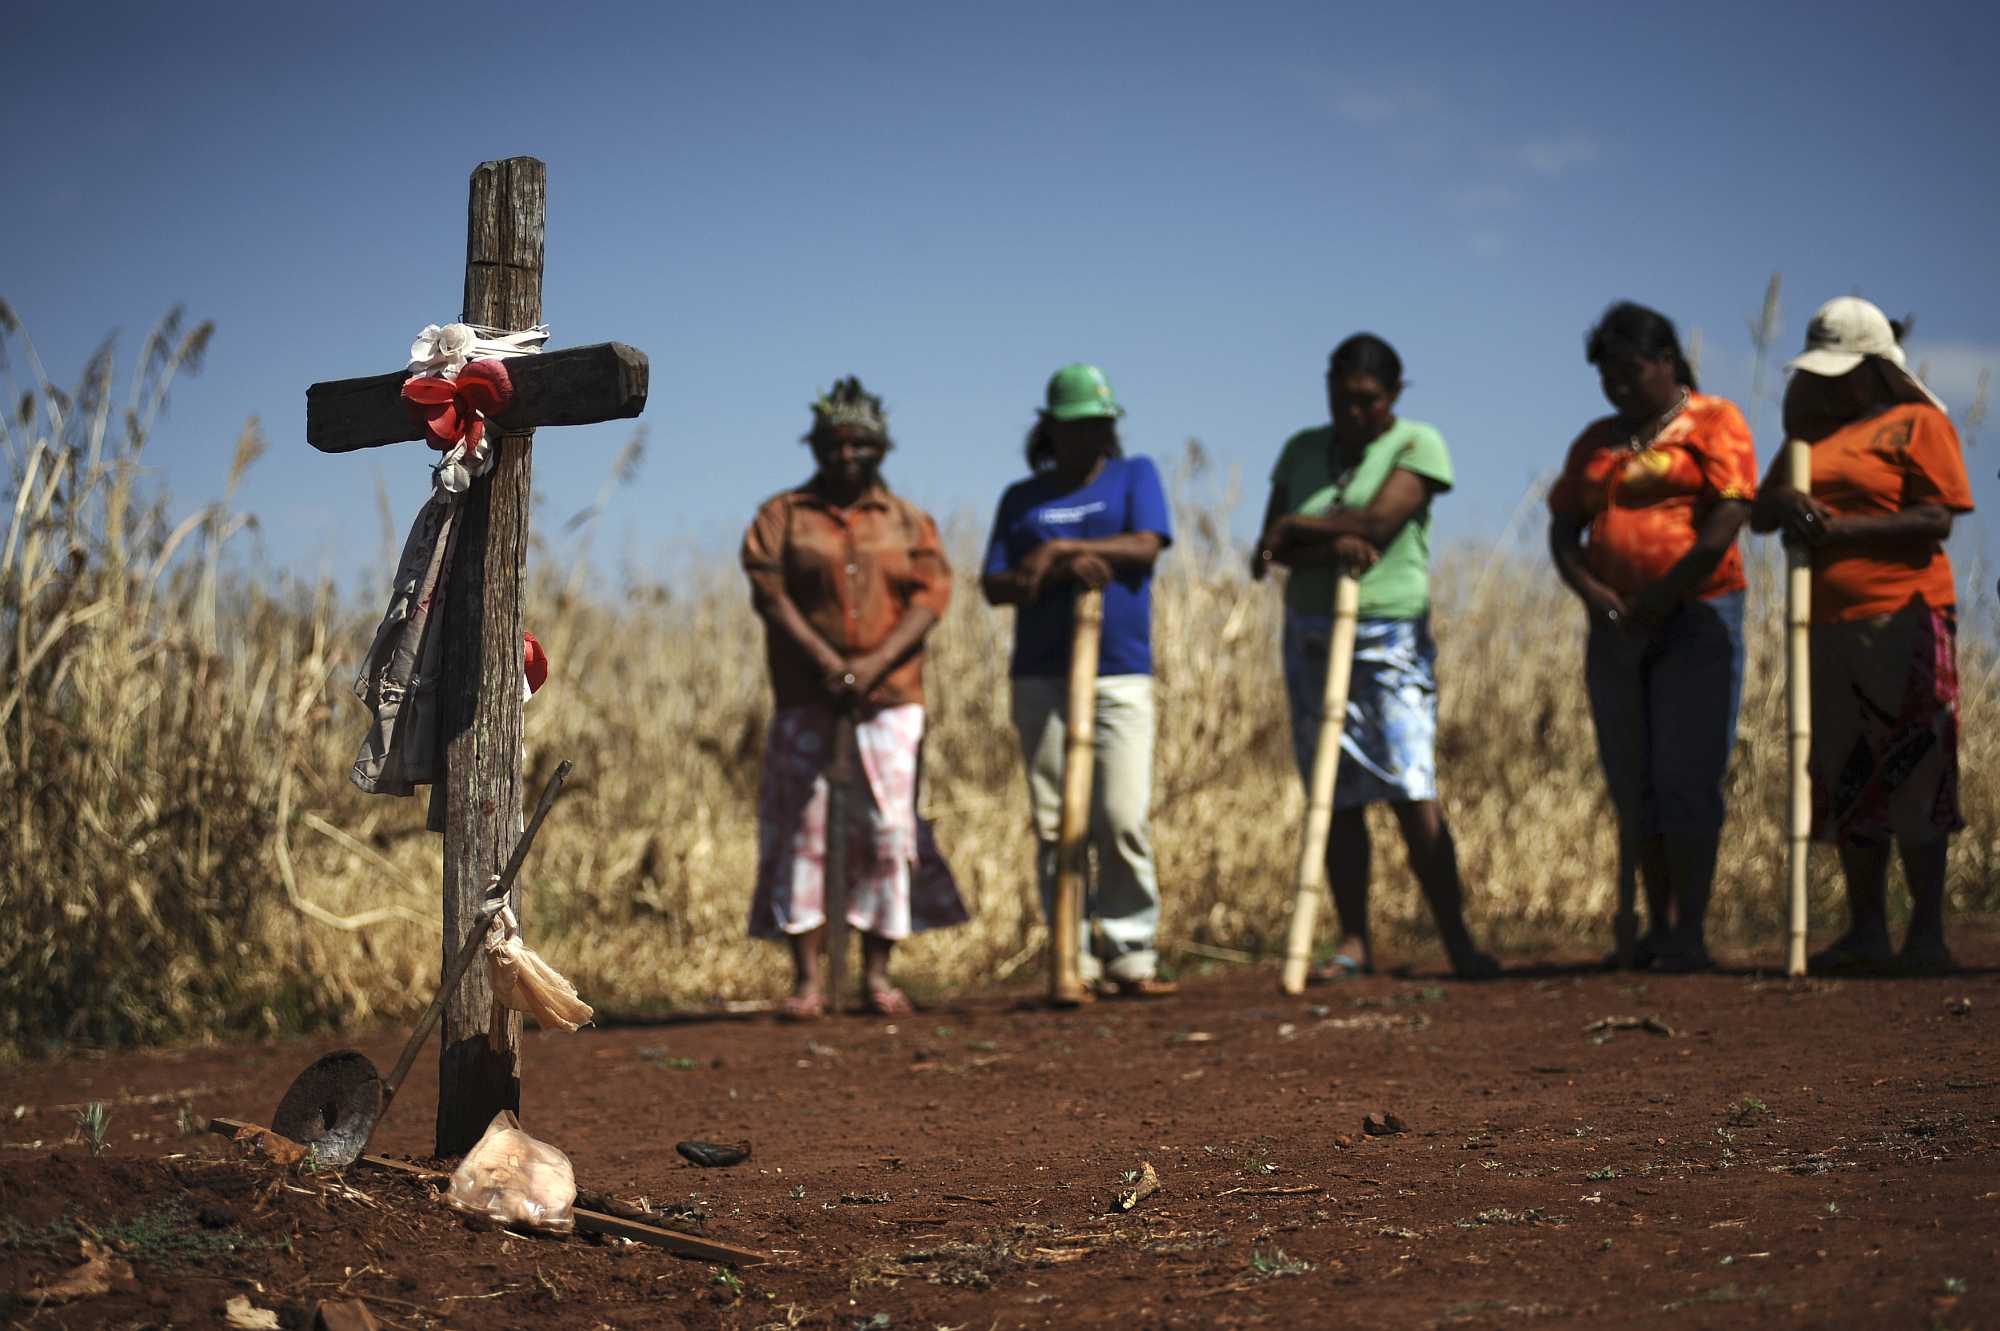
1088, 517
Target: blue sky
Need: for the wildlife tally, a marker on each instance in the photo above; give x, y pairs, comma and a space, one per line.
952, 200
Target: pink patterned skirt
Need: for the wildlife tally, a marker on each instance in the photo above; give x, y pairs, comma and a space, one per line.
897, 881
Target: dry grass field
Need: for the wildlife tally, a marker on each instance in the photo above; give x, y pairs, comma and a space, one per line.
181, 854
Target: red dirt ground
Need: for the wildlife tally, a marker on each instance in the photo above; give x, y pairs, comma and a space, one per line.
1793, 1154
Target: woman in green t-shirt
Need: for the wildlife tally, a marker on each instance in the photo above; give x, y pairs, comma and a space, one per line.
1355, 495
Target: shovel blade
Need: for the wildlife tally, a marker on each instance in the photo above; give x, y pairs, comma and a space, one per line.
331, 1108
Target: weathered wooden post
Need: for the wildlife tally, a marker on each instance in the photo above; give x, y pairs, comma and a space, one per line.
479, 700
480, 797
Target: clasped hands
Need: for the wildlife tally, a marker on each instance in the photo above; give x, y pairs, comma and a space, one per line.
1286, 541
850, 679
1802, 519
1062, 561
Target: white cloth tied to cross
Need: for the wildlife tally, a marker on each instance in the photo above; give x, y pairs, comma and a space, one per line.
524, 982
440, 351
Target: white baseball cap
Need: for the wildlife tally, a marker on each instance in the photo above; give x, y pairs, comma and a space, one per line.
1846, 331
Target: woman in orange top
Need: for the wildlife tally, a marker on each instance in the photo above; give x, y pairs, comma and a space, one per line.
849, 579
1887, 479
1659, 490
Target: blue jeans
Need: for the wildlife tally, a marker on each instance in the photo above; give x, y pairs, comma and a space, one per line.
1665, 707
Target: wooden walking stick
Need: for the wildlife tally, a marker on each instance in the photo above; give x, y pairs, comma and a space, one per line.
1310, 883
839, 788
1072, 841
1798, 703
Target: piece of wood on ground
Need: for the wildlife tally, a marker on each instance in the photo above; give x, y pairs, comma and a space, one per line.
1647, 1023
587, 1220
344, 1315
100, 1270
1300, 1190
1143, 1187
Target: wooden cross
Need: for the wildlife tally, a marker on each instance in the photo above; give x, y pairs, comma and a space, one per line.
481, 793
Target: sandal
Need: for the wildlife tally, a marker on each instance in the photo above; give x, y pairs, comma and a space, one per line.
1145, 986
802, 1007
888, 1001
1336, 968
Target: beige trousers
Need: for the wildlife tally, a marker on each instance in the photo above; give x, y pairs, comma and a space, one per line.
1121, 905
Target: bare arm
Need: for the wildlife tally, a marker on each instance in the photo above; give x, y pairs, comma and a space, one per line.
1803, 518
1711, 543
1916, 524
778, 611
1301, 540
1263, 554
1091, 562
1566, 548
869, 667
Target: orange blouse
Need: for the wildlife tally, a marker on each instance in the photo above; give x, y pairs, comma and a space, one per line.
852, 572
1645, 506
1903, 457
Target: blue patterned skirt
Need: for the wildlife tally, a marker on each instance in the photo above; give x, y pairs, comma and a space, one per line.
1389, 748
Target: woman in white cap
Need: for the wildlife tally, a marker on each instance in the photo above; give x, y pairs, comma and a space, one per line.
1088, 517
1888, 478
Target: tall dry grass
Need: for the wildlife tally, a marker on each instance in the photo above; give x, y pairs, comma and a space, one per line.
181, 854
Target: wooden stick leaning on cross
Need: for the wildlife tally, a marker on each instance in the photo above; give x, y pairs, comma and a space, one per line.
482, 793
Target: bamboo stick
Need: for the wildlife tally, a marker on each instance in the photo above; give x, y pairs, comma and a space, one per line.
1079, 758
1798, 705
1310, 882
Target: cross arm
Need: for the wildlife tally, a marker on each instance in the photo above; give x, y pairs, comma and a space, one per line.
575, 386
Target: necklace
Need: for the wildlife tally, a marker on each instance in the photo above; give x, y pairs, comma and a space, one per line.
1637, 444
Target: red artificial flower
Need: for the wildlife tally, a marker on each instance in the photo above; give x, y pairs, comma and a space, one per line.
534, 662
454, 412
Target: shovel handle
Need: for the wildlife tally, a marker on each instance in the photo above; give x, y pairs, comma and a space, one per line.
496, 897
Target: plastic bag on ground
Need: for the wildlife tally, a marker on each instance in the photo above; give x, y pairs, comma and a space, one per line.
512, 1178
521, 980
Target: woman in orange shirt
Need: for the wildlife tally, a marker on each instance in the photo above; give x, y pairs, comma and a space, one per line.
848, 579
1660, 490
1888, 478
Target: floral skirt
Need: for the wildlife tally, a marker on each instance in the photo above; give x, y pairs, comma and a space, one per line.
897, 881
1885, 727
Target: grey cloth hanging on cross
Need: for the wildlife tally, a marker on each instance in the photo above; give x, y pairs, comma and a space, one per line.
398, 678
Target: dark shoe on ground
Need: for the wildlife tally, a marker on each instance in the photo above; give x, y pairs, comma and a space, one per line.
1645, 951
1683, 960
1925, 956
1475, 965
1850, 955
1146, 986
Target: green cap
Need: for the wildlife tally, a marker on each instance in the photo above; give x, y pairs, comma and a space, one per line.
1079, 391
